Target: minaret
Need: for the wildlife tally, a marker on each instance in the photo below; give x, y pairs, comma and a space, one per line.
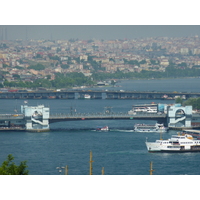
26, 34
2, 35
6, 33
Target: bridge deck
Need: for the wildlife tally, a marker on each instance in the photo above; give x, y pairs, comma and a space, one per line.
11, 116
101, 116
88, 116
79, 94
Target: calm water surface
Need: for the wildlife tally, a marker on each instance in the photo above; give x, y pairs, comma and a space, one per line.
120, 151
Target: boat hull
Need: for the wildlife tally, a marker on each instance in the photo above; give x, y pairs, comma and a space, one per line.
103, 129
157, 148
150, 131
172, 151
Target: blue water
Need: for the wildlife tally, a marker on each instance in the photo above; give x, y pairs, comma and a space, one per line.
168, 85
120, 151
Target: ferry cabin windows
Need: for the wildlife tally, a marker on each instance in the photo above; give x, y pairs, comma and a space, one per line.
173, 147
165, 142
178, 137
188, 142
161, 142
195, 142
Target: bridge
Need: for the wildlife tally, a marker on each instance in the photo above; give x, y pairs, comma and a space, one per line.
161, 118
104, 94
38, 118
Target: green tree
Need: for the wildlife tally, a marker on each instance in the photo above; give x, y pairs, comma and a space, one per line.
64, 66
8, 167
143, 62
183, 64
17, 76
38, 55
48, 77
134, 62
155, 62
5, 65
37, 67
194, 102
54, 57
179, 100
113, 83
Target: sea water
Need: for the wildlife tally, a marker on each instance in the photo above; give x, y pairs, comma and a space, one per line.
120, 151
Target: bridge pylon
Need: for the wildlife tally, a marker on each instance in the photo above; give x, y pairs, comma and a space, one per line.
36, 118
179, 116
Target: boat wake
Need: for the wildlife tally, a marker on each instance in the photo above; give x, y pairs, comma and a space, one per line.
112, 129
119, 130
128, 152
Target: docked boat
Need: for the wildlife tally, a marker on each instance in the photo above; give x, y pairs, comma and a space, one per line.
104, 128
150, 128
146, 108
177, 143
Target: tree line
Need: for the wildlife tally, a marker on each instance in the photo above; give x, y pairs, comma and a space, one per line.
60, 81
170, 72
78, 78
194, 102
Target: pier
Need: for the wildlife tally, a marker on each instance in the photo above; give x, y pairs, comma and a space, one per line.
104, 94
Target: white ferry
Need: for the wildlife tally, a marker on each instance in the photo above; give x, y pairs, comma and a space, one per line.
150, 128
177, 143
146, 108
87, 96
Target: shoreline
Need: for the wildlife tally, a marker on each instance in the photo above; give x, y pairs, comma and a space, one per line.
107, 86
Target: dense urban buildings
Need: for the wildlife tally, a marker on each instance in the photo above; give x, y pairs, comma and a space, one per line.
30, 60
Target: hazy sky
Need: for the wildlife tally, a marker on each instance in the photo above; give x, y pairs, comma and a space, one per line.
98, 19
96, 31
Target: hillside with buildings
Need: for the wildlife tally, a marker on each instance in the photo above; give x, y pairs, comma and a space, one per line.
24, 62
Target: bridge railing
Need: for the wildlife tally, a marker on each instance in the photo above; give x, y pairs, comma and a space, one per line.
11, 116
101, 115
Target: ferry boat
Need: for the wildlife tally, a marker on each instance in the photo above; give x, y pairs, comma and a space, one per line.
146, 108
176, 144
105, 128
150, 128
87, 96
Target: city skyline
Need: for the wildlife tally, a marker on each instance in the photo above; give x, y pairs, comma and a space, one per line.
86, 32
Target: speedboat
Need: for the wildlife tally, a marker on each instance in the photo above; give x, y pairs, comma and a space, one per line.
104, 128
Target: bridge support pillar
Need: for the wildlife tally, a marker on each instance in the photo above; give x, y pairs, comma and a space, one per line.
36, 118
179, 116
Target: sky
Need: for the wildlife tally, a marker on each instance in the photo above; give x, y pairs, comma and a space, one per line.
105, 19
105, 32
